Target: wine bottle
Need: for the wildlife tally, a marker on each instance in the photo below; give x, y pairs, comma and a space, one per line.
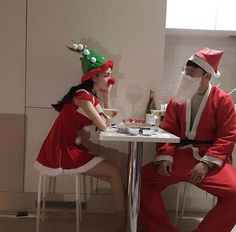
151, 103
150, 118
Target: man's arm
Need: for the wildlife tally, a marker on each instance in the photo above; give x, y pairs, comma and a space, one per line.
225, 134
170, 123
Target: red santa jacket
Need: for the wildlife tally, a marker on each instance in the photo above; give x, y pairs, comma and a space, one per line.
214, 127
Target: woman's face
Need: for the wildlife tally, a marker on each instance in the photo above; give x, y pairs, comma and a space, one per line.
102, 79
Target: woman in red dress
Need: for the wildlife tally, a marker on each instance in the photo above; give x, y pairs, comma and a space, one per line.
62, 151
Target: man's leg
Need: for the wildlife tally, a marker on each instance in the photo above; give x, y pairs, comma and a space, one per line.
220, 183
152, 210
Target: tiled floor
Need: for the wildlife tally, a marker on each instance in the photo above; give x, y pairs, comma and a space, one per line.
65, 222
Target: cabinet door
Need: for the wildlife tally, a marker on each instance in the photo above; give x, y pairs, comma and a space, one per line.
191, 14
226, 17
12, 95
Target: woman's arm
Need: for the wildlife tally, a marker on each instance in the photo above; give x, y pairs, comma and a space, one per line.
101, 113
92, 113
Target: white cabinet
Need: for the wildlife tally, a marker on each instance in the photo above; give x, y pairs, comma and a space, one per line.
226, 17
12, 56
191, 14
201, 15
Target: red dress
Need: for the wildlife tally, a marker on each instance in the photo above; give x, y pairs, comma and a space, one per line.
61, 152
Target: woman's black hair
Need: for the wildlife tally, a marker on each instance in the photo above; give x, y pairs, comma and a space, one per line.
191, 63
87, 85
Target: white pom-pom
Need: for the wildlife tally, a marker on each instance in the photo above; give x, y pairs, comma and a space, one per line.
78, 141
86, 52
75, 46
87, 128
80, 47
217, 75
93, 60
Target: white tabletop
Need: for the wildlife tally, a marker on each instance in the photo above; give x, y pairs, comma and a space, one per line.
160, 136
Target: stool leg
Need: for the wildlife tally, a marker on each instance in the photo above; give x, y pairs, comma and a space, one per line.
91, 185
214, 200
77, 197
44, 196
84, 187
184, 199
177, 203
38, 202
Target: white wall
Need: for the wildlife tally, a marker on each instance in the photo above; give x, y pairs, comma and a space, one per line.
12, 65
131, 33
36, 69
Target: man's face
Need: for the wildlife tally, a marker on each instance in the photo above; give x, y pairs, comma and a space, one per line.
194, 71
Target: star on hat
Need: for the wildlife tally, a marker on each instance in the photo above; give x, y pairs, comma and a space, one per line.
91, 62
208, 59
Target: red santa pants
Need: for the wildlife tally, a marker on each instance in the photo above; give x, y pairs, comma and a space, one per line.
220, 182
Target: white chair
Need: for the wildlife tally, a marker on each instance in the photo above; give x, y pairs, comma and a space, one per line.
186, 187
41, 201
183, 198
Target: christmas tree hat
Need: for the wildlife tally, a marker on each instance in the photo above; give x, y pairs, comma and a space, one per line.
91, 62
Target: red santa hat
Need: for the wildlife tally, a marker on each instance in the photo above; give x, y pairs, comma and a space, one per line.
208, 59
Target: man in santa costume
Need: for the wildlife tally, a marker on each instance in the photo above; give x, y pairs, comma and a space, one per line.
205, 120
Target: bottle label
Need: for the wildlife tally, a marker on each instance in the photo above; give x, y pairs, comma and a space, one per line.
150, 119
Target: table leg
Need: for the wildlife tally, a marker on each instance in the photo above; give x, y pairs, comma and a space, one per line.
135, 163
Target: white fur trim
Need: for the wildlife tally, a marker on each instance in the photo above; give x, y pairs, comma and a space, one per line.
188, 116
92, 163
206, 158
78, 141
48, 171
203, 64
191, 134
59, 171
212, 160
164, 157
88, 128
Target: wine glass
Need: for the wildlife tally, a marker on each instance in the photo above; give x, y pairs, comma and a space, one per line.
110, 112
158, 114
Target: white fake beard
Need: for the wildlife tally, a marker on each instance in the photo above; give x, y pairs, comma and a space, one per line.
187, 88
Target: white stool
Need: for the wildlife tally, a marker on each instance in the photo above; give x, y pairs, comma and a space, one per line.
186, 188
42, 192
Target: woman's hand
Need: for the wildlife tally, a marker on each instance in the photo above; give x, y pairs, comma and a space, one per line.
108, 121
105, 118
106, 92
106, 96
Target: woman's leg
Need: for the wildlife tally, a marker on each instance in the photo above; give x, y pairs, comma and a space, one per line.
111, 173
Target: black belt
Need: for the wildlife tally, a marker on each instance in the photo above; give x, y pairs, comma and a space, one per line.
185, 142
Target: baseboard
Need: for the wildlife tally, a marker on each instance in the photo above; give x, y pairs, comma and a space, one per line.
95, 203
